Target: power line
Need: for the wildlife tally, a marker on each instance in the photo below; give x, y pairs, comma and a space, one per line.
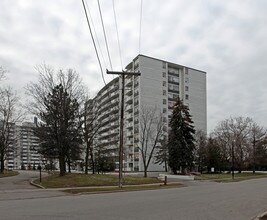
93, 42
140, 26
104, 33
117, 32
98, 44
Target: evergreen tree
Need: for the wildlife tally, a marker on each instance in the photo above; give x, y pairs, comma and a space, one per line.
162, 155
181, 140
214, 157
60, 130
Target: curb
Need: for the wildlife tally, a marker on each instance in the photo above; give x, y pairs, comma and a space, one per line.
36, 185
264, 214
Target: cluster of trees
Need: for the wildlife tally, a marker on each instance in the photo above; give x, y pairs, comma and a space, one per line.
66, 128
236, 143
176, 149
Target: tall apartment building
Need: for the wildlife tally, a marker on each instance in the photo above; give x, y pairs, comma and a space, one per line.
24, 153
159, 85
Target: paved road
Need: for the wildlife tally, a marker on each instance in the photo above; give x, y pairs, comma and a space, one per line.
227, 201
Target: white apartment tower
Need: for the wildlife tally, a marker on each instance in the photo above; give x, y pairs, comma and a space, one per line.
159, 85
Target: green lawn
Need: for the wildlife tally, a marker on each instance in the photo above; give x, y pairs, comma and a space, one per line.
227, 177
82, 180
8, 173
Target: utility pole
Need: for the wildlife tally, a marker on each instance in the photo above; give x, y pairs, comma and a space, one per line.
123, 73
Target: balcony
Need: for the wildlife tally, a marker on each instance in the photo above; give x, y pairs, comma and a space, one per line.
129, 142
129, 117
129, 83
129, 108
129, 100
129, 124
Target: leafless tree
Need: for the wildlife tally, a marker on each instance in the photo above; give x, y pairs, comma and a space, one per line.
9, 115
257, 140
151, 132
200, 151
234, 136
91, 125
2, 73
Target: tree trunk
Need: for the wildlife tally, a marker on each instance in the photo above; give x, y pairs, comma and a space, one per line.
145, 171
62, 166
92, 160
69, 165
86, 160
166, 166
2, 164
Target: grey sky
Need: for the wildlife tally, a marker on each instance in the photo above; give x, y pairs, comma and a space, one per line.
227, 39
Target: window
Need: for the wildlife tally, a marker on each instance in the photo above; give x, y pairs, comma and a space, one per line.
164, 83
164, 74
163, 65
164, 92
186, 71
164, 110
164, 101
186, 88
186, 79
186, 96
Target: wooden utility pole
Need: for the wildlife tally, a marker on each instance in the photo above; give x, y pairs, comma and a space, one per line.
123, 73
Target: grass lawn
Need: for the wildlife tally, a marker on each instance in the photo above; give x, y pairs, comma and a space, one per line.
82, 180
124, 188
8, 173
227, 177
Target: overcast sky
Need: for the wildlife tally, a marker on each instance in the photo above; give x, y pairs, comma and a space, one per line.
227, 39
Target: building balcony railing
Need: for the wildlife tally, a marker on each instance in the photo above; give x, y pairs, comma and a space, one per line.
129, 100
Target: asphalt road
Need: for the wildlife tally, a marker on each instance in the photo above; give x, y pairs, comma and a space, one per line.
227, 201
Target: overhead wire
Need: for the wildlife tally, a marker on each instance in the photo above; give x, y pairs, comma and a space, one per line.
140, 25
103, 27
94, 42
97, 41
118, 38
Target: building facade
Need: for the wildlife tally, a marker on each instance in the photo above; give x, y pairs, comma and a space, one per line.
24, 154
159, 85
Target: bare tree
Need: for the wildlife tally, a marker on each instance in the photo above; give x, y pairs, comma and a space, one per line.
233, 135
151, 132
200, 151
257, 140
2, 73
91, 125
9, 115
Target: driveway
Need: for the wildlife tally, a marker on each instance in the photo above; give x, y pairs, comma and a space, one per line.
21, 181
19, 187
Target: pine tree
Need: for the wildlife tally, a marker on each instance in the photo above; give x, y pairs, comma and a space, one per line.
60, 130
181, 140
162, 155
